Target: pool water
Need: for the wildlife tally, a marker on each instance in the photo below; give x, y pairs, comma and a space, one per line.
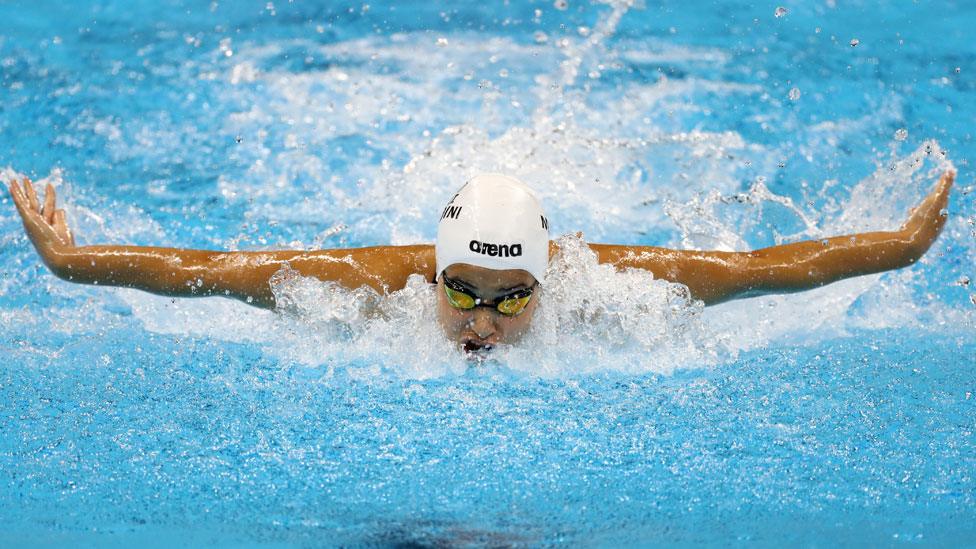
629, 415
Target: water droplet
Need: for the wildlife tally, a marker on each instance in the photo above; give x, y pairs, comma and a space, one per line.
854, 42
583, 31
825, 242
901, 134
780, 12
560, 5
503, 73
540, 37
943, 213
225, 47
794, 94
441, 42
239, 139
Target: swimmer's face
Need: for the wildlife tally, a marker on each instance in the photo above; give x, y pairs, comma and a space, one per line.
483, 327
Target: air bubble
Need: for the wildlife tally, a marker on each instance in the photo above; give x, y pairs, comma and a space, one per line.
560, 5
441, 42
540, 37
901, 134
780, 12
794, 94
854, 42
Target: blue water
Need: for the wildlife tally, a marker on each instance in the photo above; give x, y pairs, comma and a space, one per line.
633, 418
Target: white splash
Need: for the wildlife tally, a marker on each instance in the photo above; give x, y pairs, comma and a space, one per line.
437, 115
624, 321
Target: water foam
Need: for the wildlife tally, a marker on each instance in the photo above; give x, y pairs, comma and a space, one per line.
624, 321
596, 153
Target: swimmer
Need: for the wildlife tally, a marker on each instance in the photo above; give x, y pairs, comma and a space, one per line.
488, 263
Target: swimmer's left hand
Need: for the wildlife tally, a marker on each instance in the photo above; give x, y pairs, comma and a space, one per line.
927, 219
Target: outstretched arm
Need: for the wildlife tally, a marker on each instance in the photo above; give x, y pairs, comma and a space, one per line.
186, 273
715, 277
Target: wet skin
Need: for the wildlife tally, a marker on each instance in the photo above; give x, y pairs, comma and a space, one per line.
485, 327
711, 276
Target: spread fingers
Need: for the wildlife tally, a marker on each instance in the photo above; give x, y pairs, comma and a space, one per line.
16, 193
48, 211
61, 227
20, 199
31, 196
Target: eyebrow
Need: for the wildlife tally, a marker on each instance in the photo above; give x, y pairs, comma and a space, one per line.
515, 288
501, 292
460, 282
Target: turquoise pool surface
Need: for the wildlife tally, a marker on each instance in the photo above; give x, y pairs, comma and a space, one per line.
629, 415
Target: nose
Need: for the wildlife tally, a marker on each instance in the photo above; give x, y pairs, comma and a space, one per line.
483, 324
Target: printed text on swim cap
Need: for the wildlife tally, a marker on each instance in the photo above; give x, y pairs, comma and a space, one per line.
495, 250
452, 212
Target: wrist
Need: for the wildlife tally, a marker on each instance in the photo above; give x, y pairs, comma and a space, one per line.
58, 258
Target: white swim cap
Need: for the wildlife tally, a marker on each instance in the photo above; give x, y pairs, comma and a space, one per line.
494, 221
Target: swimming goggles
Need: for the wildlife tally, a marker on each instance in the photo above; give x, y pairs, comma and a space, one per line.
462, 298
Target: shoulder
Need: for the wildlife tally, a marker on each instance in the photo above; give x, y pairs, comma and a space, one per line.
394, 264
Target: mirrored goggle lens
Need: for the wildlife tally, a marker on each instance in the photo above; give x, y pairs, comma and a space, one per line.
513, 306
458, 299
510, 306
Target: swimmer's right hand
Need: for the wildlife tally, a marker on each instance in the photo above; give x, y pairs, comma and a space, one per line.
46, 225
242, 275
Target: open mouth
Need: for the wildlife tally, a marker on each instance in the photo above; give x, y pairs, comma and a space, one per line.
471, 346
